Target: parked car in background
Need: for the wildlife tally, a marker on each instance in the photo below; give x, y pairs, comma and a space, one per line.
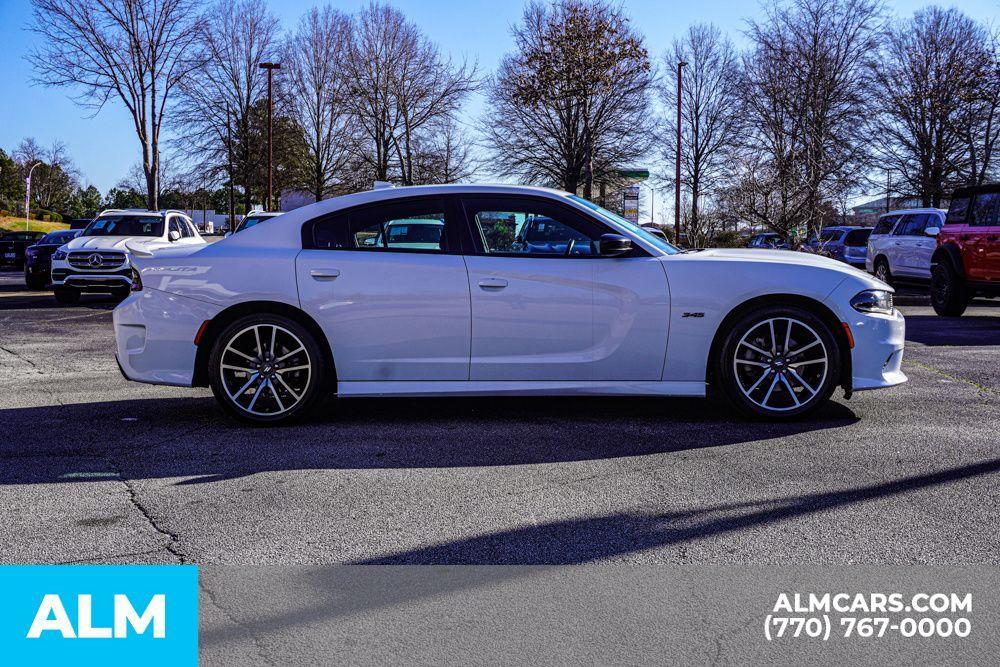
99, 259
768, 240
277, 315
902, 243
38, 257
255, 218
844, 243
966, 262
13, 245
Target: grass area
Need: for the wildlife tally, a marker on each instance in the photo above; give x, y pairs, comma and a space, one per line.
8, 224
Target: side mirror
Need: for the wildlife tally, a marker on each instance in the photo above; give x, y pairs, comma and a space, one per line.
932, 231
612, 245
174, 235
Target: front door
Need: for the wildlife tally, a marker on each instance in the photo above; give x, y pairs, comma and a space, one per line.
546, 307
389, 288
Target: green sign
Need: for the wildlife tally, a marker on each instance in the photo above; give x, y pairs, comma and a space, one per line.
634, 173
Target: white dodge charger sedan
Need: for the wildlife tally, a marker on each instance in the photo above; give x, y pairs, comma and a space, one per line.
486, 290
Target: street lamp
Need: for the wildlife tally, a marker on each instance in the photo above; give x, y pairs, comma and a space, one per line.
652, 201
677, 175
270, 67
27, 196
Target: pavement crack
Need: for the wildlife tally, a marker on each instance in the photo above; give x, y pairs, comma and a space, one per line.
249, 629
173, 540
957, 378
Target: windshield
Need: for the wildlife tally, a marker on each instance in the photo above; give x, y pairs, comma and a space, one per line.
125, 225
632, 227
59, 238
251, 220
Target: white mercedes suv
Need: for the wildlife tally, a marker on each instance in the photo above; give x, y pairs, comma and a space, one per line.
510, 290
98, 259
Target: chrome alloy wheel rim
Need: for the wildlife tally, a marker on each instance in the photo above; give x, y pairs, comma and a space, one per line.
780, 364
265, 370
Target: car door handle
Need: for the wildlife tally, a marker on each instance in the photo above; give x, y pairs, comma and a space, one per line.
324, 274
493, 283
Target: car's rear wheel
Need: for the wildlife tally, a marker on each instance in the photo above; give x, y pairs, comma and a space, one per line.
779, 362
266, 369
882, 271
34, 282
67, 295
949, 295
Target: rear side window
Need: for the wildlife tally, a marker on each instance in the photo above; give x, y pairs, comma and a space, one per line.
885, 224
984, 210
857, 237
830, 235
958, 211
405, 226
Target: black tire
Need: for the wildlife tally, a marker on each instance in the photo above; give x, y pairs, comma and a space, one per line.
778, 386
882, 271
306, 385
35, 283
66, 295
949, 294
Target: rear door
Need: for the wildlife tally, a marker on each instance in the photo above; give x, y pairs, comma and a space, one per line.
391, 312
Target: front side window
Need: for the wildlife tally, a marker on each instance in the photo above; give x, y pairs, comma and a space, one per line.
985, 210
405, 226
912, 225
174, 226
518, 227
125, 225
885, 224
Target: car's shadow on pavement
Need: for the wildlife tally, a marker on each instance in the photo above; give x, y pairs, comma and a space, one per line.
970, 330
192, 439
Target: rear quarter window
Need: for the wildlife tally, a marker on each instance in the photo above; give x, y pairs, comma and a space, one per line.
958, 211
857, 237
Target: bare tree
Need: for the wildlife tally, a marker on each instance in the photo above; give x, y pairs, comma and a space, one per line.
135, 50
54, 180
710, 115
401, 91
807, 105
314, 61
937, 89
234, 38
571, 105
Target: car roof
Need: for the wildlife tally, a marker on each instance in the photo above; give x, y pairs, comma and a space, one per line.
976, 189
904, 211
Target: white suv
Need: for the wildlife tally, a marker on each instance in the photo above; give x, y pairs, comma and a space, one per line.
98, 259
902, 243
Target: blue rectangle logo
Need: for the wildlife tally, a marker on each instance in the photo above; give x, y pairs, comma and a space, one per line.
99, 614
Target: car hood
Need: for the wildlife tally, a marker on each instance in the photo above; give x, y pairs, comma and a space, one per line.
766, 258
112, 242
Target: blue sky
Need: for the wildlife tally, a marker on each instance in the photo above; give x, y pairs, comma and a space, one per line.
104, 147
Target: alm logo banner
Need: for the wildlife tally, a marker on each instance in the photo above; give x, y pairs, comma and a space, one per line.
99, 614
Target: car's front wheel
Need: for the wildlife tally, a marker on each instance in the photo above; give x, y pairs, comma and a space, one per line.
266, 369
948, 292
778, 362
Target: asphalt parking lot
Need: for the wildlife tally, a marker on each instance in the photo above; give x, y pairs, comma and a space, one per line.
97, 469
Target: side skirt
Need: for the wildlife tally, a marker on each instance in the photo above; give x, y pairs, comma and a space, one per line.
694, 389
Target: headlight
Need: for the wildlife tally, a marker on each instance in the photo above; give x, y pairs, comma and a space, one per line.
59, 254
873, 301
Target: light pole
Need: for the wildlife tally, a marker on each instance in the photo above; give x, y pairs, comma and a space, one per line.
27, 196
652, 201
677, 174
270, 67
229, 154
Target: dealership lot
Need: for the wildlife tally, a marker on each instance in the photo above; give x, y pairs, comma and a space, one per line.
96, 469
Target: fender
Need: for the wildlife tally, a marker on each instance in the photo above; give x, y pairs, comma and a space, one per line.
951, 254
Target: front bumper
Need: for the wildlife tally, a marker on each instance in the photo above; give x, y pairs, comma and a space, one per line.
62, 274
877, 357
154, 336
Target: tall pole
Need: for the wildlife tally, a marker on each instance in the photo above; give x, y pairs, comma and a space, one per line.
888, 190
229, 151
270, 67
677, 174
27, 196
